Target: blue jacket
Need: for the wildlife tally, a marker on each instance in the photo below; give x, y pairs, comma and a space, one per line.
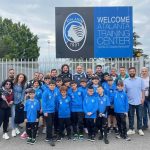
103, 103
77, 77
90, 104
76, 101
121, 102
38, 94
95, 89
109, 91
63, 106
44, 87
48, 101
84, 91
31, 108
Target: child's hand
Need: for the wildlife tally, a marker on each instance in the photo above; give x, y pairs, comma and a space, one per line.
89, 113
45, 114
37, 120
100, 114
25, 120
40, 111
126, 114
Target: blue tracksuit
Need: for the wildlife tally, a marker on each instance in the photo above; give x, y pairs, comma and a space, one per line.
77, 77
103, 103
38, 94
95, 89
44, 87
48, 101
109, 91
84, 91
76, 101
31, 108
63, 106
121, 102
90, 104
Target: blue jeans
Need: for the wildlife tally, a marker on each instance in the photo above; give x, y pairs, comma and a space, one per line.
146, 110
13, 125
139, 112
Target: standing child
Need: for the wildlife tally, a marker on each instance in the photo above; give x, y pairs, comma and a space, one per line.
77, 113
121, 107
48, 107
63, 104
95, 84
90, 106
103, 105
31, 109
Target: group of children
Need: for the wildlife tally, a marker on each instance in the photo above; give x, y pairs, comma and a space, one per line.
65, 106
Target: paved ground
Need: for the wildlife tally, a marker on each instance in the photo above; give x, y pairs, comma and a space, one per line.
137, 143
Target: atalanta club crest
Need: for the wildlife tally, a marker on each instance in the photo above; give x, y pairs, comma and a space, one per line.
74, 32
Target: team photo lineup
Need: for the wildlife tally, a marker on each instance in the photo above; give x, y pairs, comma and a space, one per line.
87, 105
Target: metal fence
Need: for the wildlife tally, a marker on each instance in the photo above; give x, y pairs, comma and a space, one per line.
28, 67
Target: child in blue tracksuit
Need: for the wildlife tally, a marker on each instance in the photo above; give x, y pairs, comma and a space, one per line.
31, 111
95, 84
103, 106
47, 80
121, 107
109, 89
48, 107
77, 113
64, 114
90, 106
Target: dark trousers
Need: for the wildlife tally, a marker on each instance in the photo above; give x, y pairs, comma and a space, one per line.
102, 124
90, 122
56, 123
139, 114
64, 123
31, 129
49, 125
121, 123
77, 122
4, 118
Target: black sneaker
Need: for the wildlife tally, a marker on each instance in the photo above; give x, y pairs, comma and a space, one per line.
52, 143
29, 140
69, 137
108, 130
33, 141
92, 139
115, 130
106, 141
75, 137
144, 127
100, 137
59, 139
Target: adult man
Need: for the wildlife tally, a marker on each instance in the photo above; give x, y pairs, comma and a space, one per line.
99, 73
53, 74
113, 74
89, 75
134, 86
122, 76
146, 79
79, 75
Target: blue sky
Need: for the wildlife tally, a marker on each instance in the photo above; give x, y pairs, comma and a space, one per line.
39, 16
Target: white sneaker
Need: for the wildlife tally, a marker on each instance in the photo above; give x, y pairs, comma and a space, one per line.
13, 134
5, 136
17, 131
141, 132
44, 130
86, 130
130, 132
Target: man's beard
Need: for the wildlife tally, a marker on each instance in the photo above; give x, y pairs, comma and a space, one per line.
132, 75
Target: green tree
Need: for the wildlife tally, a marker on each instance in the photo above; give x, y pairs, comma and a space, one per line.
17, 41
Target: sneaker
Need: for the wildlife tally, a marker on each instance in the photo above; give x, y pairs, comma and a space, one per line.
130, 132
47, 140
89, 138
17, 131
44, 130
115, 130
92, 139
13, 134
141, 132
5, 136
81, 137
33, 141
108, 130
24, 135
106, 141
100, 137
127, 139
69, 137
52, 143
75, 137
37, 133
144, 127
118, 137
59, 139
29, 140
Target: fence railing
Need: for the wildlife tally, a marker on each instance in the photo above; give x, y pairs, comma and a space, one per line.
28, 67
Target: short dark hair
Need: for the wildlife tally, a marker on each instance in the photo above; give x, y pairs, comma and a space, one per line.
122, 67
120, 83
52, 82
58, 79
67, 80
95, 78
73, 82
83, 80
30, 90
53, 70
132, 68
99, 66
63, 88
47, 77
90, 87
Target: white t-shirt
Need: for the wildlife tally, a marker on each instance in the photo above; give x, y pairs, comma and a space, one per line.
146, 84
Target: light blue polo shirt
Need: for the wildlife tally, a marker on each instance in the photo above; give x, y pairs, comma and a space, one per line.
134, 88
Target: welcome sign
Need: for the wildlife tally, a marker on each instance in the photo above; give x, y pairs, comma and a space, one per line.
94, 32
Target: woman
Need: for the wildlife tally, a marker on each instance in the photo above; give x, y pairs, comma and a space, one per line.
19, 93
6, 100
